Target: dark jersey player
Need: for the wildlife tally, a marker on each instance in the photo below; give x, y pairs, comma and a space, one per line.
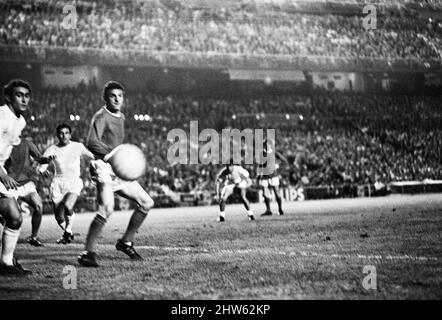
106, 133
19, 167
270, 182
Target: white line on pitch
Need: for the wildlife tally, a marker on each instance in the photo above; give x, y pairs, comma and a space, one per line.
262, 250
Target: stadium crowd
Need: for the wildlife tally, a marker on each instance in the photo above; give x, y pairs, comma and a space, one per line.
342, 138
152, 26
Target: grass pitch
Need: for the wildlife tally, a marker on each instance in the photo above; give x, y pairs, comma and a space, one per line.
317, 250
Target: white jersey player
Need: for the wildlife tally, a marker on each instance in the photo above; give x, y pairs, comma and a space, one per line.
66, 185
17, 94
234, 178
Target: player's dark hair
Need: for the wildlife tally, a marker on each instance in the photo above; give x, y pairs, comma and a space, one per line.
8, 89
110, 85
63, 126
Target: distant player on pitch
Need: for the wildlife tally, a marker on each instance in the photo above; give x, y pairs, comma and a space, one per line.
234, 178
17, 94
270, 182
66, 184
106, 133
19, 167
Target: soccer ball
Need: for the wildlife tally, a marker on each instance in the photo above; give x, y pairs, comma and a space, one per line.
128, 162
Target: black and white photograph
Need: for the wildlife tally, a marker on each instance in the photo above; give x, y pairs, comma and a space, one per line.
220, 155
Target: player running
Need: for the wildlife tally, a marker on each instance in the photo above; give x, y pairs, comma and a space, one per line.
235, 179
106, 133
19, 167
270, 182
66, 185
17, 94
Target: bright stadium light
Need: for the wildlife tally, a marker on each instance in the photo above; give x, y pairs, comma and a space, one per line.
287, 116
141, 117
146, 117
32, 118
136, 117
77, 117
301, 117
234, 116
268, 81
72, 117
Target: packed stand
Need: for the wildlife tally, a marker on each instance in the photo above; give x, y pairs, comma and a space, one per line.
151, 26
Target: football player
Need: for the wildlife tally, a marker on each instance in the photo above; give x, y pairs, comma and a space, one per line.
234, 179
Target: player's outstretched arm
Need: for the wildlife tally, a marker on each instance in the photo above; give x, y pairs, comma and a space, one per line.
86, 153
281, 157
47, 158
36, 154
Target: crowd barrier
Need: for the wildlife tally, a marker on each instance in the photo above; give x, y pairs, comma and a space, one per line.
100, 57
255, 195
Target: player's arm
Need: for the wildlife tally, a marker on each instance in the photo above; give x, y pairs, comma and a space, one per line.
43, 167
94, 139
36, 154
86, 153
7, 181
280, 156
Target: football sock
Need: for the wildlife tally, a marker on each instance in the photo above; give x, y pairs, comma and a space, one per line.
249, 213
267, 203
69, 223
135, 223
278, 200
62, 225
95, 229
222, 214
35, 222
9, 241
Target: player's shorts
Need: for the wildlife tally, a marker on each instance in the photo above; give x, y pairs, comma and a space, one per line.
228, 189
266, 182
62, 186
102, 172
21, 191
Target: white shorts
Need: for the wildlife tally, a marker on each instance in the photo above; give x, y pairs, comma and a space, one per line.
227, 190
273, 182
21, 191
62, 186
105, 174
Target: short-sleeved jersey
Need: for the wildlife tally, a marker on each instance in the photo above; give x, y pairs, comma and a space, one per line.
267, 152
106, 132
237, 175
10, 131
67, 159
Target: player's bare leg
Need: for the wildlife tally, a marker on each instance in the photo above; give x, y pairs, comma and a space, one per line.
278, 199
34, 201
105, 197
225, 194
222, 208
67, 205
13, 221
267, 201
136, 193
59, 215
242, 193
